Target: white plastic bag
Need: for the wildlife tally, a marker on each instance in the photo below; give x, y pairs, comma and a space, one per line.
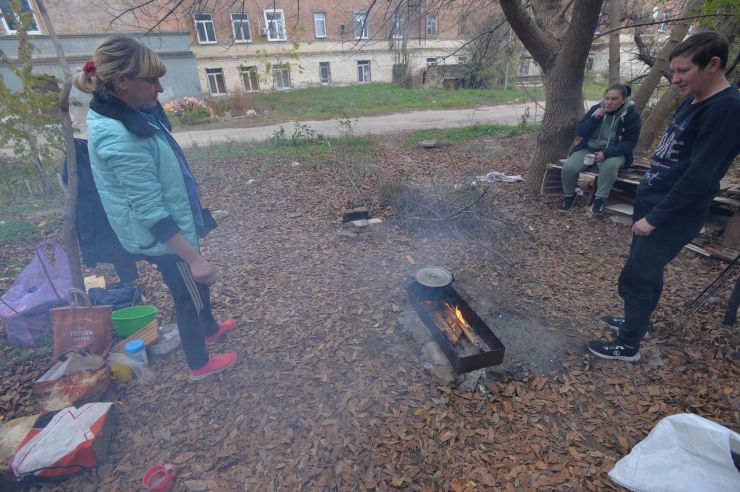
141, 371
683, 452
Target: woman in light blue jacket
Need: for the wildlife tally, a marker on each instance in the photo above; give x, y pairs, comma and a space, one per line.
147, 190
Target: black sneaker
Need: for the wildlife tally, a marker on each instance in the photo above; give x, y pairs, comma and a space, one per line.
568, 202
598, 207
613, 322
614, 350
616, 324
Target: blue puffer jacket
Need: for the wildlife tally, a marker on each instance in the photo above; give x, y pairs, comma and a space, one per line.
138, 177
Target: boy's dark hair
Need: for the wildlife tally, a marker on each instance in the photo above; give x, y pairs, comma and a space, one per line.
702, 48
625, 90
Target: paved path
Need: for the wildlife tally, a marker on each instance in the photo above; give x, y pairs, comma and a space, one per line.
449, 118
509, 114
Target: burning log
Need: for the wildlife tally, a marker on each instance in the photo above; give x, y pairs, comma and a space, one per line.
464, 326
445, 326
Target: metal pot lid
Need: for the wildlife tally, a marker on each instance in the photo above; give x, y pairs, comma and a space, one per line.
433, 277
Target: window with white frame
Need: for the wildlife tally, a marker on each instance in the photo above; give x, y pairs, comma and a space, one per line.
216, 81
10, 20
363, 71
462, 60
319, 24
249, 79
431, 61
204, 28
281, 77
361, 22
324, 73
399, 26
432, 24
240, 26
275, 22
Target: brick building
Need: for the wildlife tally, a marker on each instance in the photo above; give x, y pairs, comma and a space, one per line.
266, 44
273, 45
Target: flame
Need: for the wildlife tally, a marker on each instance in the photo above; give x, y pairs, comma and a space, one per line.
460, 317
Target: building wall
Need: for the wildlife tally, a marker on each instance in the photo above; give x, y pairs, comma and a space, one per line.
174, 48
304, 70
82, 17
302, 48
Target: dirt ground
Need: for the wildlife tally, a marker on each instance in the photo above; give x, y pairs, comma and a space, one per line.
329, 392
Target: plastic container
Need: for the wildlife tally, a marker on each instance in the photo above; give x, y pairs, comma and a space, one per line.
136, 350
121, 372
169, 340
128, 321
160, 478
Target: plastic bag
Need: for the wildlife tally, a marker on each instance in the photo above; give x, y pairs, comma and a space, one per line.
63, 443
74, 379
142, 372
119, 295
39, 287
683, 452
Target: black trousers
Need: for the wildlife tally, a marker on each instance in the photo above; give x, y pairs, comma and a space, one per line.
641, 281
192, 309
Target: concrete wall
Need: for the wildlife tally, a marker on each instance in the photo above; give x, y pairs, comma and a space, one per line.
174, 48
342, 58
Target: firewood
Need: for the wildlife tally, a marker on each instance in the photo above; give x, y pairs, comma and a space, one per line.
444, 325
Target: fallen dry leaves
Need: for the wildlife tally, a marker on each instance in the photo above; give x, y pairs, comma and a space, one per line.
329, 393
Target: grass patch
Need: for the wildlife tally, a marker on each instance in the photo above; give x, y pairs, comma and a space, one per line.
310, 152
466, 133
28, 218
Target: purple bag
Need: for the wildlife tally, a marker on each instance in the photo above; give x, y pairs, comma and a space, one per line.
40, 287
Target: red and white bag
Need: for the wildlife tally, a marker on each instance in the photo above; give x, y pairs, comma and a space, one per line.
73, 440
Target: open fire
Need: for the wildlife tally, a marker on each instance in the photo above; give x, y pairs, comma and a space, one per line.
463, 336
451, 322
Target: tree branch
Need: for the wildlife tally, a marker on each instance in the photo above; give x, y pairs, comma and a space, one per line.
540, 44
670, 21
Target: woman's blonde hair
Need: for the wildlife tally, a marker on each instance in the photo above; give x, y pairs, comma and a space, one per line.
119, 55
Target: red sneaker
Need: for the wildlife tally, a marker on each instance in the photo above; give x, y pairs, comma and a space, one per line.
216, 363
223, 329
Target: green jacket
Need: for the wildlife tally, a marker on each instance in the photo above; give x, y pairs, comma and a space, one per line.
139, 179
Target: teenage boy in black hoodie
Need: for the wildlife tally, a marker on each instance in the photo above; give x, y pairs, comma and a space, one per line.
673, 198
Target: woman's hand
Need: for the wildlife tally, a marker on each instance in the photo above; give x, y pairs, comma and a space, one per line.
599, 112
599, 156
203, 272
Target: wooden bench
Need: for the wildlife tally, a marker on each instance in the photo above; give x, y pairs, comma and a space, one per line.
629, 178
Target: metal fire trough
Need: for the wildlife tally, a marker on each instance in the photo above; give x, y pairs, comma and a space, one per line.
461, 364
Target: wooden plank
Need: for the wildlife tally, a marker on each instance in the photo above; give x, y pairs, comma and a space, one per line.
722, 200
621, 208
731, 236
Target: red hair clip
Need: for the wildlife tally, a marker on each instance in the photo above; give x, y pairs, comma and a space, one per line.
89, 68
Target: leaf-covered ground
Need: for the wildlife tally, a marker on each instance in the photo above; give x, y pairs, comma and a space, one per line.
329, 392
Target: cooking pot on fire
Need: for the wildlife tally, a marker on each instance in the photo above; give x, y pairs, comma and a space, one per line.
435, 280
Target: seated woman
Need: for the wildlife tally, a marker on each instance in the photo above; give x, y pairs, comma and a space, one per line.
610, 131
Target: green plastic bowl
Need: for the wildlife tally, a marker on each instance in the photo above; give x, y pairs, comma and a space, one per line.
128, 321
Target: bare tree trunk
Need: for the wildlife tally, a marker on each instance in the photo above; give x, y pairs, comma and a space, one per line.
649, 83
614, 61
70, 192
564, 100
658, 119
561, 49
